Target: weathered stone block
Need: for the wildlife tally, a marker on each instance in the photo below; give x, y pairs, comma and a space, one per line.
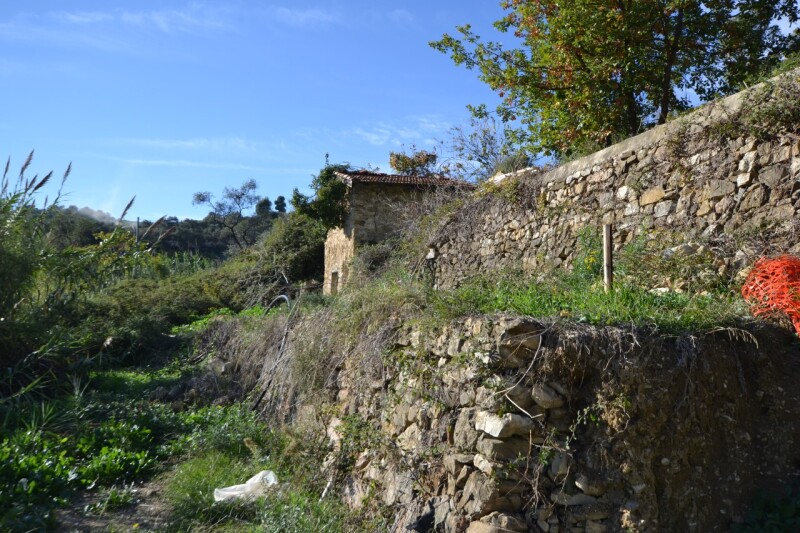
569, 500
595, 527
753, 199
663, 209
454, 462
456, 482
410, 439
559, 467
591, 487
482, 527
773, 175
719, 188
521, 396
481, 496
651, 196
507, 449
506, 522
546, 397
744, 179
464, 434
591, 511
503, 426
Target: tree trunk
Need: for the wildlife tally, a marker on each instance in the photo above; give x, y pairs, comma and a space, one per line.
670, 55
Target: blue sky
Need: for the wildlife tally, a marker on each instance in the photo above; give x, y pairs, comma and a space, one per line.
163, 99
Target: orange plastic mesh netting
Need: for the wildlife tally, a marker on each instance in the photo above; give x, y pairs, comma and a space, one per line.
773, 286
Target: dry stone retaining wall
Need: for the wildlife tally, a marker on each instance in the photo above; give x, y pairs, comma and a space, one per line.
683, 177
507, 424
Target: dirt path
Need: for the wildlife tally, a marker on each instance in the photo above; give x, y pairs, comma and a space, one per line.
147, 512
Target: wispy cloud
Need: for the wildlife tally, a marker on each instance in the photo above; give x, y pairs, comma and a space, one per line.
235, 144
191, 19
82, 17
303, 17
416, 130
33, 31
184, 163
105, 29
401, 15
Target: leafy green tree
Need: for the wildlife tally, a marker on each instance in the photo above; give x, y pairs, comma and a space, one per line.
69, 227
229, 211
482, 150
294, 247
415, 163
329, 203
264, 207
591, 71
280, 204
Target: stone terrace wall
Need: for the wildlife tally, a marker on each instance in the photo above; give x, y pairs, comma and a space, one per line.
685, 176
504, 424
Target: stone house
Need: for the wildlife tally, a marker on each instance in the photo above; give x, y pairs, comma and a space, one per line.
378, 205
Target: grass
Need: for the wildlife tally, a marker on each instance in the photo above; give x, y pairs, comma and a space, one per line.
584, 299
190, 489
106, 435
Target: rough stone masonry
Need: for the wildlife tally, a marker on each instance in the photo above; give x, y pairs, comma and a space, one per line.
686, 177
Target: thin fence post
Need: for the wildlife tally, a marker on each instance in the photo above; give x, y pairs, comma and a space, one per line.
608, 259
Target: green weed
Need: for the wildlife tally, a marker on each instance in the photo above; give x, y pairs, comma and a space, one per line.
577, 297
190, 489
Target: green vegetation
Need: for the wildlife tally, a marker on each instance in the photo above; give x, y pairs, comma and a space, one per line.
125, 365
583, 73
328, 205
585, 300
101, 389
228, 213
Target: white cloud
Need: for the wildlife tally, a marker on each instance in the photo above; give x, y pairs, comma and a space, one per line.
83, 17
191, 17
184, 163
177, 21
106, 30
415, 130
377, 135
401, 15
303, 17
21, 29
217, 145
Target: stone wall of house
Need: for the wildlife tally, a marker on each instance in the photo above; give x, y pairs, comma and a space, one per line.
339, 251
379, 210
690, 177
503, 423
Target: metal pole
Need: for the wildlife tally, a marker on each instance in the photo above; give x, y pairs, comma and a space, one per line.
608, 260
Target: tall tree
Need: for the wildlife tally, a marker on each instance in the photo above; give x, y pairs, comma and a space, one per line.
589, 71
229, 211
329, 203
414, 163
483, 149
264, 207
280, 204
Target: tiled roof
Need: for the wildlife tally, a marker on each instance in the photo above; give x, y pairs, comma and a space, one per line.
365, 176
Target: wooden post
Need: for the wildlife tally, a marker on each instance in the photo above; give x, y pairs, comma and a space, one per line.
608, 259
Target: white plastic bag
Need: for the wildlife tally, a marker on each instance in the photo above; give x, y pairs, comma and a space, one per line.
254, 487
